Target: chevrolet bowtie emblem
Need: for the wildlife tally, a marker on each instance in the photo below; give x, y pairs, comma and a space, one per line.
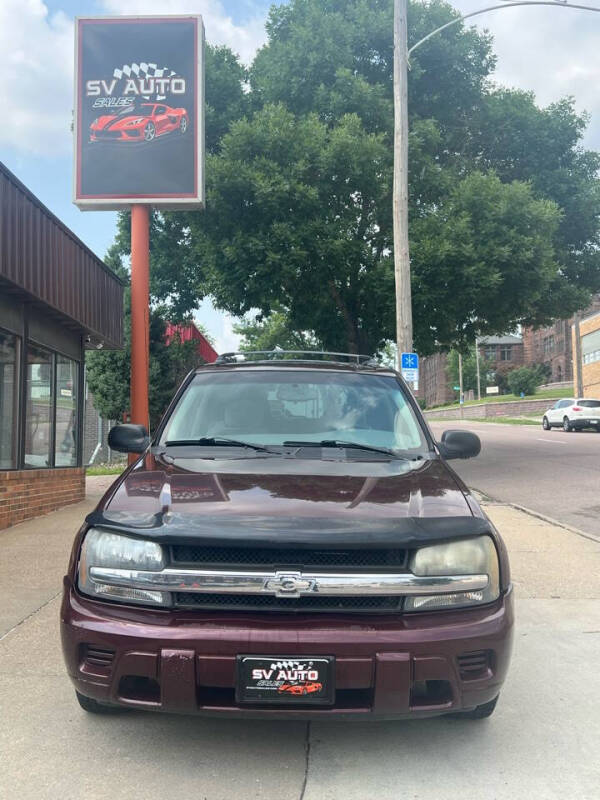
289, 584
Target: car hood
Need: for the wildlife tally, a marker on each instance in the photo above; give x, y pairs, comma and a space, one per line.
278, 497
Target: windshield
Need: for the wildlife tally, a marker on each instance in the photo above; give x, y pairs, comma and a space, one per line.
275, 406
137, 108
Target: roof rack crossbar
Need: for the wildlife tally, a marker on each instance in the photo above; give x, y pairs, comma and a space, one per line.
299, 355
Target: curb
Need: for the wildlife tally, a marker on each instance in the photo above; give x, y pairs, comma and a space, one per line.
485, 498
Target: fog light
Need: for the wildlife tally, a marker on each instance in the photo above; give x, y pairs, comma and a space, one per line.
432, 601
135, 595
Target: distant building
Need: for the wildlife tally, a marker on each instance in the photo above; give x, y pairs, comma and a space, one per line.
589, 331
553, 345
189, 332
501, 352
435, 387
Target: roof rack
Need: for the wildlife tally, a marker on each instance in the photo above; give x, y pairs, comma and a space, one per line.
355, 359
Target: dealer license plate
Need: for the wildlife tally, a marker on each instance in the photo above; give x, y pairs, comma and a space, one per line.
281, 679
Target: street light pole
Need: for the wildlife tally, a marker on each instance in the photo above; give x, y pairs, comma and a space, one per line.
404, 325
478, 370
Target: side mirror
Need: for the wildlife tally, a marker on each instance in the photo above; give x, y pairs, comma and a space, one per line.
128, 438
459, 444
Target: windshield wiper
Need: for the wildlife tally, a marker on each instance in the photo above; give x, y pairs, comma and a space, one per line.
355, 445
215, 441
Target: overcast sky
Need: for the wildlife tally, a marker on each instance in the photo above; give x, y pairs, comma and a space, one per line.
553, 51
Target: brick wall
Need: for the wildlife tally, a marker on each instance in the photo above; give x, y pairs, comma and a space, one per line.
32, 492
590, 372
434, 385
510, 408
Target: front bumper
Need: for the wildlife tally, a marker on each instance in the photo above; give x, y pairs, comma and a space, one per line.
410, 665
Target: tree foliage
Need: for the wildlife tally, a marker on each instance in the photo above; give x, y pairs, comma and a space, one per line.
272, 333
523, 380
504, 201
108, 371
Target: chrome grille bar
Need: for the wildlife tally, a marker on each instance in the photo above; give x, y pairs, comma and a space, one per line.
284, 583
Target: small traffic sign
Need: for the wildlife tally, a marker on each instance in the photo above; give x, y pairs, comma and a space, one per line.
409, 361
409, 366
456, 388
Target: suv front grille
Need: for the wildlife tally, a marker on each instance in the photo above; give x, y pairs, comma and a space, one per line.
258, 602
289, 557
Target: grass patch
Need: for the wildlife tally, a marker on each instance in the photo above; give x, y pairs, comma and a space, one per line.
105, 469
510, 420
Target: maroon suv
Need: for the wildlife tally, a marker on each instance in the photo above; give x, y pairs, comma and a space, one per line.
290, 543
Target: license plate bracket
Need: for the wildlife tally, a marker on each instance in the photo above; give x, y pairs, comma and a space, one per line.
289, 680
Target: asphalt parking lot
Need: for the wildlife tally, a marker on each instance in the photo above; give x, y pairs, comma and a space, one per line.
541, 742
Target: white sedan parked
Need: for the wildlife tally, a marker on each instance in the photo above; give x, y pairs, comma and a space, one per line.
573, 415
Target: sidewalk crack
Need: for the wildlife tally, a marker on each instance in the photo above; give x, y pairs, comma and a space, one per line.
18, 625
306, 760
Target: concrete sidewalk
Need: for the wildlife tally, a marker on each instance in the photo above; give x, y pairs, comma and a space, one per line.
541, 742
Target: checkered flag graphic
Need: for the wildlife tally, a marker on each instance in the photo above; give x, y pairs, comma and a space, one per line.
144, 70
289, 665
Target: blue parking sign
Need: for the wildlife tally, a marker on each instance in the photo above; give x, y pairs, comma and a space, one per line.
409, 361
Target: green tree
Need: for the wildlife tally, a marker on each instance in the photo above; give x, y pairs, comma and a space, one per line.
504, 201
469, 370
108, 371
523, 380
273, 332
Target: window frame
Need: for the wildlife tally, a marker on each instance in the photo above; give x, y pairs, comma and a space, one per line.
16, 402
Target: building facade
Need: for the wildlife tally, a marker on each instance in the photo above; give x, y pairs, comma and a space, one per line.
56, 299
502, 353
589, 332
435, 388
553, 345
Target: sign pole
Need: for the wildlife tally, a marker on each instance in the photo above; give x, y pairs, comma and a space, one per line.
140, 313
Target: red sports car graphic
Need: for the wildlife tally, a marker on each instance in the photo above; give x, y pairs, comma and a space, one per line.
304, 687
141, 122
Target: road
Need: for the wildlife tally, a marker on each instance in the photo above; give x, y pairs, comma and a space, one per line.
551, 472
540, 743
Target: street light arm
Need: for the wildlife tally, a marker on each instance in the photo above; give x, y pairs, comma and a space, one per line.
462, 17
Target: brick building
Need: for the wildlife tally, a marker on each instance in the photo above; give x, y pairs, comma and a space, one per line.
553, 345
502, 352
435, 388
56, 300
589, 331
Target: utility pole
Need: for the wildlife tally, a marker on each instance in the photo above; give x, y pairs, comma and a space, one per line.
461, 397
404, 324
478, 373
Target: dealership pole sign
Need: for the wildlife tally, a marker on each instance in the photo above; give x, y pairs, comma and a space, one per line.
139, 112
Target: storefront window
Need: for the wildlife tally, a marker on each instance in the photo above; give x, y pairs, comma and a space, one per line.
8, 399
39, 407
66, 412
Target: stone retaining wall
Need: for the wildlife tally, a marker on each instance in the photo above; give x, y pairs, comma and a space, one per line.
511, 408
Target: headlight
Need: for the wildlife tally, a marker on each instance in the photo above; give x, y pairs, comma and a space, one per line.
467, 557
104, 549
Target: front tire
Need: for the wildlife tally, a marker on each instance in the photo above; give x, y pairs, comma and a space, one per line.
94, 707
479, 712
149, 132
183, 124
545, 424
567, 425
